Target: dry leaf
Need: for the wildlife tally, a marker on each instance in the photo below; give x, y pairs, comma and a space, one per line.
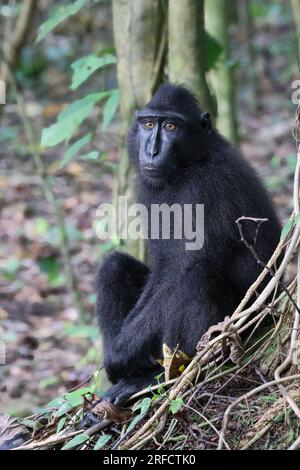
106, 410
174, 362
236, 348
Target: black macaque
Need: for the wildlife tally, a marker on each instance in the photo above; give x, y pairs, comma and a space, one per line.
180, 159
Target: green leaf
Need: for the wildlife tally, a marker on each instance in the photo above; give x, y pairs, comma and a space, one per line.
41, 226
145, 405
291, 162
76, 441
81, 331
76, 398
176, 405
110, 108
48, 381
63, 409
144, 408
75, 148
286, 229
51, 267
56, 402
134, 422
213, 51
12, 266
155, 396
60, 425
71, 400
84, 67
61, 14
102, 441
96, 386
30, 423
94, 155
70, 119
92, 298
275, 162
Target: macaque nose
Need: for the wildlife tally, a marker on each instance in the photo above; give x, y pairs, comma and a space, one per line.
153, 151
153, 148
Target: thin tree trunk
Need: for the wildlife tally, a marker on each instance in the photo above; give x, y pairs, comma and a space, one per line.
13, 41
140, 40
246, 20
296, 11
187, 60
217, 25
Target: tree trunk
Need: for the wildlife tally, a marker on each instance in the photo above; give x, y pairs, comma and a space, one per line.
246, 20
187, 60
296, 11
14, 40
140, 40
217, 25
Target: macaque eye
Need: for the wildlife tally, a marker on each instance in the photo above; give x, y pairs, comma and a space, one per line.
170, 127
148, 125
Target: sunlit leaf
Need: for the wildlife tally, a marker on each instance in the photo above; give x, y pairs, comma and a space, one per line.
70, 119
176, 405
75, 398
61, 14
84, 67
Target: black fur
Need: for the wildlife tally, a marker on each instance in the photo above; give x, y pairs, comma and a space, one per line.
182, 293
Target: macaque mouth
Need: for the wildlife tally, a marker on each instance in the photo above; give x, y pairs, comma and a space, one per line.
152, 169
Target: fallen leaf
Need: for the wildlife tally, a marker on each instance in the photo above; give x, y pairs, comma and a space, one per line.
106, 410
174, 362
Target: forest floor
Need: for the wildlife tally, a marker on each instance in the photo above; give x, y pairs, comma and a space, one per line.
47, 351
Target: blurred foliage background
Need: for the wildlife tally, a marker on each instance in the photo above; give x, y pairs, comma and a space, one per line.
75, 72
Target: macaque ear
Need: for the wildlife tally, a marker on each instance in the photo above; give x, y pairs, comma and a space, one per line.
206, 121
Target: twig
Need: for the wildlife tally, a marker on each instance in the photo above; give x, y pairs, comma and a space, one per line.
245, 396
255, 255
295, 330
295, 444
210, 424
51, 440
